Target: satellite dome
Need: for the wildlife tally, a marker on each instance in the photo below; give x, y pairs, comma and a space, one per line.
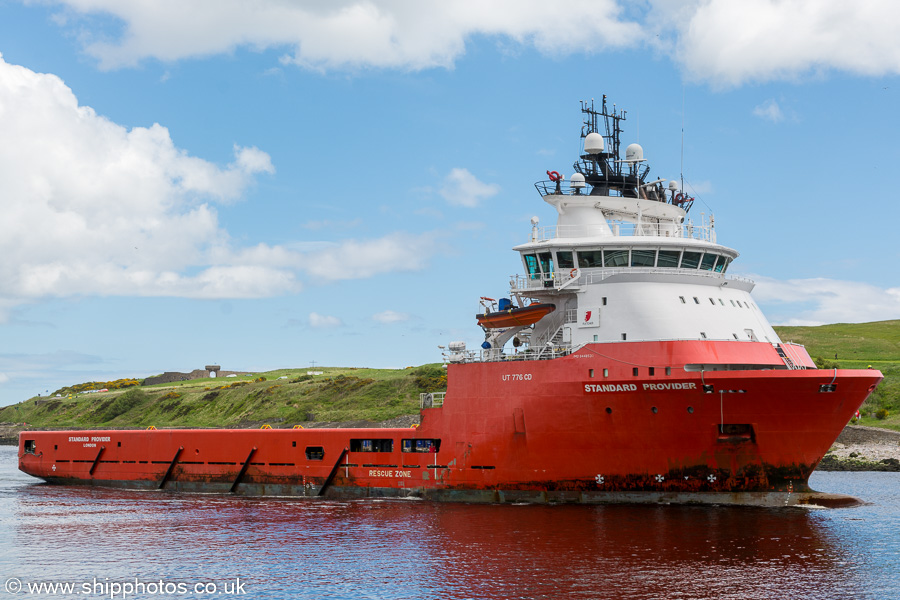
634, 152
593, 143
673, 185
577, 180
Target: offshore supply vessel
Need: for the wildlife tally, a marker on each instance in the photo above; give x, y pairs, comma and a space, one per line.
625, 365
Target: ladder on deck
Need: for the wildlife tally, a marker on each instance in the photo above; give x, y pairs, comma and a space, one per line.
787, 361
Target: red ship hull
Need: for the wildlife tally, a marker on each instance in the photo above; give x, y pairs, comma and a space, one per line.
591, 427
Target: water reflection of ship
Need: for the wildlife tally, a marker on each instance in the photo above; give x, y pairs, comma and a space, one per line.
451, 551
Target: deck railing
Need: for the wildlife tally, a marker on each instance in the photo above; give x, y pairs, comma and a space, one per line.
520, 283
648, 228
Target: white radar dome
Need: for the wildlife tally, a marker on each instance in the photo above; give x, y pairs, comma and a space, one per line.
577, 180
634, 152
593, 143
673, 185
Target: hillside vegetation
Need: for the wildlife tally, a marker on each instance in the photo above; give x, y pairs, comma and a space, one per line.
858, 346
280, 398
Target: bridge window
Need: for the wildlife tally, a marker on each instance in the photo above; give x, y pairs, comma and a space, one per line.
643, 258
616, 258
708, 262
722, 265
564, 259
532, 265
590, 258
668, 258
546, 262
690, 260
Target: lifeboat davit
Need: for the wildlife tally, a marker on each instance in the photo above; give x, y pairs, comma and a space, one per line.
515, 317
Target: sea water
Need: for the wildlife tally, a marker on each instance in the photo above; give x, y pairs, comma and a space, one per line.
123, 544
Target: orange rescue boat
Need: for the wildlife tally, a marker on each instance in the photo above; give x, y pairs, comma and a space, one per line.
515, 317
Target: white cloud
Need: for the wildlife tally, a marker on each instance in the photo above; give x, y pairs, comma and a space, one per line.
770, 111
347, 33
464, 189
389, 316
353, 259
92, 208
820, 301
724, 42
323, 321
730, 43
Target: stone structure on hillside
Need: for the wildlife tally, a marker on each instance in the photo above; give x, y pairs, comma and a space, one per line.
208, 371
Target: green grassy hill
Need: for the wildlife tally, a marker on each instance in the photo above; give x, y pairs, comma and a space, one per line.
857, 346
851, 342
283, 398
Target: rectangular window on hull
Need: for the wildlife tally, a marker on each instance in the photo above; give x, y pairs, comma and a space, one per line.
615, 258
429, 445
315, 453
590, 258
377, 445
668, 258
565, 260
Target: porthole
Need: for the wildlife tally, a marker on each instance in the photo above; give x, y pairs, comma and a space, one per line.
608, 410
690, 409
654, 410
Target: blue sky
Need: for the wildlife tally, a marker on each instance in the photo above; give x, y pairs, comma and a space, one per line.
263, 185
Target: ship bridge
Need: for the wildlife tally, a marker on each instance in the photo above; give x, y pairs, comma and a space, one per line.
624, 262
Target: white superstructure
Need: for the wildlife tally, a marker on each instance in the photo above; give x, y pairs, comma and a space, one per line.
624, 262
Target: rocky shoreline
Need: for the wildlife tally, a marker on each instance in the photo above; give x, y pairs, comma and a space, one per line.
858, 448
861, 448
